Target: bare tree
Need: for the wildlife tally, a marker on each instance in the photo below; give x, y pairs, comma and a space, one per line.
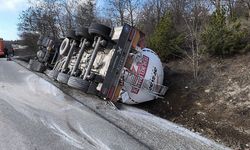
117, 9
247, 4
151, 14
147, 20
178, 8
231, 7
85, 13
194, 23
132, 9
216, 3
123, 11
56, 16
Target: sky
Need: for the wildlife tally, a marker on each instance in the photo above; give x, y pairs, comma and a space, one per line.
9, 14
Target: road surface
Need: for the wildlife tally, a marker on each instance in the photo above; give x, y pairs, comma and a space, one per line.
35, 114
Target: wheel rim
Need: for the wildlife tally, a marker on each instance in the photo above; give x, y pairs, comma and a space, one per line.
64, 47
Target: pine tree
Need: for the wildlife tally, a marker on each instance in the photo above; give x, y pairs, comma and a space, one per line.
166, 40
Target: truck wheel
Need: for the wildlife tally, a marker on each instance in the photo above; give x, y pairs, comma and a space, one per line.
84, 32
53, 74
64, 48
39, 42
98, 79
79, 83
45, 42
71, 34
63, 78
39, 67
47, 71
40, 55
30, 64
92, 88
101, 30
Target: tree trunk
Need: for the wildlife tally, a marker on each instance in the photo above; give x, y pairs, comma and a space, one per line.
122, 18
158, 11
131, 13
248, 6
217, 4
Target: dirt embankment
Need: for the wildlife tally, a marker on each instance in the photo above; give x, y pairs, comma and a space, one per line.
217, 105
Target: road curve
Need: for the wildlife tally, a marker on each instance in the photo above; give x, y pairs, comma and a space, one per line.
34, 114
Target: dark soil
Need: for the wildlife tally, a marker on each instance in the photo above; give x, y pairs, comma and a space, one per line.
216, 104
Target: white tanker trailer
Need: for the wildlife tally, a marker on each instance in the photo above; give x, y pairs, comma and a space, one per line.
111, 63
143, 81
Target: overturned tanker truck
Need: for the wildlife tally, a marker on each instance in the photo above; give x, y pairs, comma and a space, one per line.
111, 63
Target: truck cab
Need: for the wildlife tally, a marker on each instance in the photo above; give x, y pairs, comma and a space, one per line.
2, 48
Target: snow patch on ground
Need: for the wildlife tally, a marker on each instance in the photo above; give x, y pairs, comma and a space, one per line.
155, 123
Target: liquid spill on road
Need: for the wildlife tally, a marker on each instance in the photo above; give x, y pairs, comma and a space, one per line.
67, 122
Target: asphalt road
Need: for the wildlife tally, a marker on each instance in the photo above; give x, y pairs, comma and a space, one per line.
35, 114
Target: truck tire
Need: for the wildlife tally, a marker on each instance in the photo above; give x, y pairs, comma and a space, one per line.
39, 42
92, 88
30, 64
71, 34
101, 30
63, 78
79, 83
64, 48
83, 32
40, 55
53, 74
37, 66
98, 78
47, 71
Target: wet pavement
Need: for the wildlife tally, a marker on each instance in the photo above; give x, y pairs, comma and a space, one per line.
35, 114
